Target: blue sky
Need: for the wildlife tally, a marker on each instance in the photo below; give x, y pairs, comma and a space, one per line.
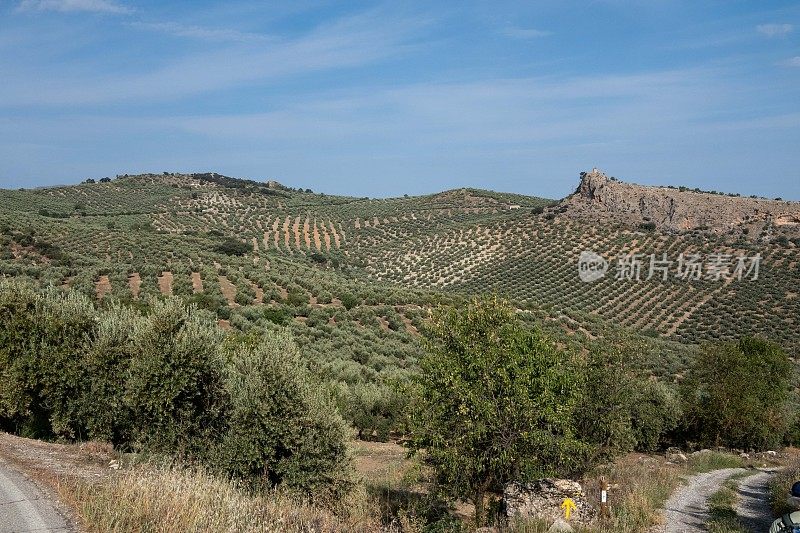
382, 99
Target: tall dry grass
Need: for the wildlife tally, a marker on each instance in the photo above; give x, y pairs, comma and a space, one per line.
180, 500
780, 485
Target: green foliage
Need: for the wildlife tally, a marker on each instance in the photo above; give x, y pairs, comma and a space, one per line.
621, 410
604, 415
376, 410
495, 402
276, 315
655, 412
231, 246
42, 338
283, 430
736, 395
107, 363
297, 298
175, 390
164, 382
349, 301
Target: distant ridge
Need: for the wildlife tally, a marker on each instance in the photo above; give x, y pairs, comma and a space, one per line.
676, 210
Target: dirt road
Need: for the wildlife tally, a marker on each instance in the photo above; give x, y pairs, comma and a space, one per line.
23, 507
753, 509
686, 511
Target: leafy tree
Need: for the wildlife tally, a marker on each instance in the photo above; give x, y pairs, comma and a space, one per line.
495, 402
231, 246
175, 389
736, 394
107, 362
655, 412
604, 414
621, 409
349, 301
42, 338
283, 429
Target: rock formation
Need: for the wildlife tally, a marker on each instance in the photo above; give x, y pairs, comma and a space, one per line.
602, 199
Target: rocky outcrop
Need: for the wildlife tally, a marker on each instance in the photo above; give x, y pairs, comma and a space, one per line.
543, 499
602, 199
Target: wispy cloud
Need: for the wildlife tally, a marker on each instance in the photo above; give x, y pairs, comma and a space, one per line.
97, 6
525, 33
774, 30
792, 62
349, 42
199, 32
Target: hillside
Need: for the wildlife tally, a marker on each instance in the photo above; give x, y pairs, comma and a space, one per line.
680, 210
303, 254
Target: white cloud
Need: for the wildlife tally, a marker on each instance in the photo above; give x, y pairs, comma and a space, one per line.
774, 30
198, 32
525, 33
346, 43
792, 62
97, 6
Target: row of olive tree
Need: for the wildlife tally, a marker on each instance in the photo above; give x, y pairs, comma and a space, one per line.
168, 382
497, 402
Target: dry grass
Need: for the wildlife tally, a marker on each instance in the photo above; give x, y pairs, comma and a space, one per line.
781, 484
178, 500
640, 485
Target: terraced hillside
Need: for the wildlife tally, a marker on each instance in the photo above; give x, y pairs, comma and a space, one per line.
237, 245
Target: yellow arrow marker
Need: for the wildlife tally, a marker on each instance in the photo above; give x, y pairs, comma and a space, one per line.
568, 506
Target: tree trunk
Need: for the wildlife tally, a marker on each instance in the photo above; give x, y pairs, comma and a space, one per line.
480, 504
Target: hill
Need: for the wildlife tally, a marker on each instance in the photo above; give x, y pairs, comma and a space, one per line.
354, 277
680, 209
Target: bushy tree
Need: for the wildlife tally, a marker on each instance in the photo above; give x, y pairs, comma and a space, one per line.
283, 430
495, 402
376, 410
655, 412
622, 409
736, 393
604, 414
42, 339
175, 389
107, 363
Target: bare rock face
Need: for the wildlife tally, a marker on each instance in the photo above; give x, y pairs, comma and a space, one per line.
543, 499
599, 198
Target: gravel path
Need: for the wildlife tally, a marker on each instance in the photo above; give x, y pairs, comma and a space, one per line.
753, 509
686, 511
24, 508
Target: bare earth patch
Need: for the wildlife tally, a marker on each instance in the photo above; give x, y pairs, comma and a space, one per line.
165, 283
42, 460
228, 290
102, 287
135, 284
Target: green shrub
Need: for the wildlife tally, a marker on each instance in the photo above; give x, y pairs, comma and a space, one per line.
42, 338
375, 410
231, 246
175, 389
283, 430
107, 363
736, 395
655, 412
349, 301
603, 417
